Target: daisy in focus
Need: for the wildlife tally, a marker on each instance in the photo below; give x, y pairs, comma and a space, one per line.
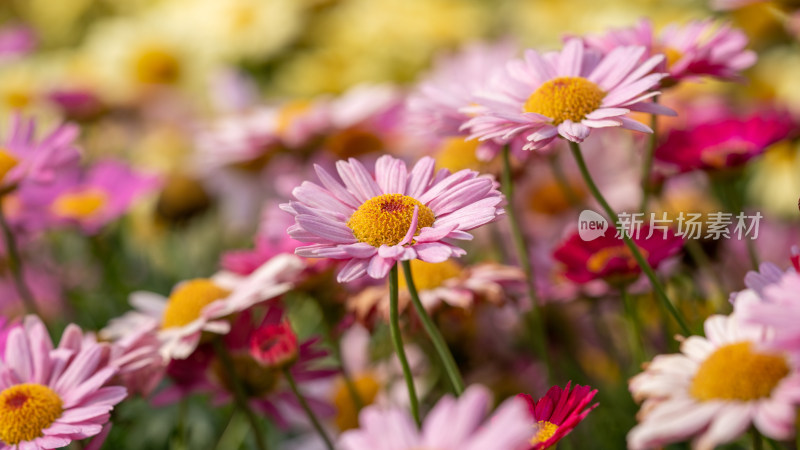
699, 48
203, 305
452, 424
716, 388
49, 396
568, 94
558, 412
394, 215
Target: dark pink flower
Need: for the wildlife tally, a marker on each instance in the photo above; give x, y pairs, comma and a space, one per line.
558, 412
609, 259
723, 143
274, 344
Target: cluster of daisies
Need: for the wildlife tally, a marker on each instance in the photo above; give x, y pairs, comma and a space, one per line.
416, 254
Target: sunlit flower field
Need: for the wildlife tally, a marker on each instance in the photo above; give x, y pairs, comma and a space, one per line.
399, 224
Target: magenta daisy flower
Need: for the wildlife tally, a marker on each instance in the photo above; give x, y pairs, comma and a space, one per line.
375, 220
716, 388
454, 423
724, 143
22, 157
49, 396
558, 412
567, 93
699, 48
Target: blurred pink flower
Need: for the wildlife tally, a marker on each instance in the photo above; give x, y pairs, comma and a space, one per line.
454, 423
89, 199
274, 344
608, 258
375, 220
136, 355
723, 143
67, 388
568, 94
23, 159
16, 41
699, 48
557, 413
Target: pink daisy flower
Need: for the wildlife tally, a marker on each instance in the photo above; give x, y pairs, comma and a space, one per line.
204, 305
89, 199
435, 106
375, 220
453, 424
558, 412
567, 93
141, 367
724, 143
49, 396
5, 328
716, 388
23, 158
16, 41
699, 48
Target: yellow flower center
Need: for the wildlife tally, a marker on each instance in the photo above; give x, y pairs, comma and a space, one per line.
599, 261
545, 430
188, 300
18, 99
431, 275
79, 205
672, 56
456, 154
156, 65
367, 388
7, 162
26, 410
385, 219
736, 372
565, 98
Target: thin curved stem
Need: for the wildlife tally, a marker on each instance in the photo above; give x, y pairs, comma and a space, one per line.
647, 168
15, 264
238, 391
534, 316
397, 340
307, 409
637, 255
635, 326
450, 366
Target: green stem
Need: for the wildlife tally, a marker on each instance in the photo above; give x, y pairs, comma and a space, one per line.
15, 264
397, 340
635, 326
647, 167
311, 416
534, 316
637, 255
239, 395
435, 336
758, 444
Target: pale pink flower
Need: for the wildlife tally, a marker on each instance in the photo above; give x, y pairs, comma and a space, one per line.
716, 388
394, 215
67, 388
566, 93
699, 48
204, 305
453, 424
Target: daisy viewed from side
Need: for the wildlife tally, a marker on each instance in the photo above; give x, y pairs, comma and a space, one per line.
203, 305
394, 215
50, 396
567, 94
716, 388
558, 412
